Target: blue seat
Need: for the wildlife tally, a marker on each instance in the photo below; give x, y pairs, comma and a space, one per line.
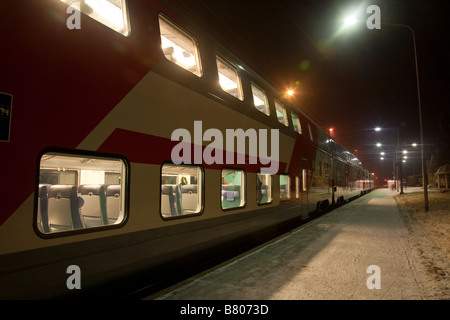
62, 210
230, 196
93, 211
112, 203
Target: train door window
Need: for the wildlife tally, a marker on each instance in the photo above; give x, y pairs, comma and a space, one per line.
281, 113
304, 180
80, 191
233, 188
310, 132
111, 13
229, 79
260, 99
181, 190
297, 187
264, 188
296, 123
285, 187
179, 47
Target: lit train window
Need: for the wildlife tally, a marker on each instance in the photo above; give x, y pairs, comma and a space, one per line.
111, 13
297, 187
78, 191
229, 79
181, 190
264, 188
296, 123
233, 188
281, 113
260, 99
285, 187
179, 47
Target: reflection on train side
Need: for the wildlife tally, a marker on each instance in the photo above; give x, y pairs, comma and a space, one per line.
79, 192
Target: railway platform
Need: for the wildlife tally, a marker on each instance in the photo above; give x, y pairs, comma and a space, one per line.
359, 251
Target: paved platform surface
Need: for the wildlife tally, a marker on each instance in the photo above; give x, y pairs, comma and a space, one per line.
358, 251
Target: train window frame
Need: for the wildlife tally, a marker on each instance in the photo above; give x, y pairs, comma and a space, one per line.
288, 187
284, 116
106, 13
310, 132
304, 180
224, 81
297, 125
200, 183
242, 189
178, 50
259, 195
67, 194
265, 106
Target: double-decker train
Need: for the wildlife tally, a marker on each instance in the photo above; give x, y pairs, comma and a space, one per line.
136, 149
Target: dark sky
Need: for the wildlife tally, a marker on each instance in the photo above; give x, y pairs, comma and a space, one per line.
353, 79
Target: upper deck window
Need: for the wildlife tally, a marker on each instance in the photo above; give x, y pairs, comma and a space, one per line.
229, 79
179, 47
111, 13
260, 99
296, 123
281, 113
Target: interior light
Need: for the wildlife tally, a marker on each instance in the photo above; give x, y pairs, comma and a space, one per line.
226, 83
111, 13
182, 56
258, 101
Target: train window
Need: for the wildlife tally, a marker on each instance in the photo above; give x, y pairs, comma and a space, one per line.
181, 190
260, 99
297, 187
179, 47
264, 188
78, 191
111, 13
229, 79
281, 113
296, 123
285, 187
233, 188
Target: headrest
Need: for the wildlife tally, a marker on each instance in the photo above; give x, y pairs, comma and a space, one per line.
113, 191
61, 191
90, 189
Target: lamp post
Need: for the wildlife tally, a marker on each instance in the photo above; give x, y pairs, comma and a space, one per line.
424, 176
352, 21
397, 167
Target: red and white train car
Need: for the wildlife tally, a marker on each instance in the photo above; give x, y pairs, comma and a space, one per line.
133, 145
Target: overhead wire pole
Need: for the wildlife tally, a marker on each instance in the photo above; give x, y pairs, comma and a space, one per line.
424, 176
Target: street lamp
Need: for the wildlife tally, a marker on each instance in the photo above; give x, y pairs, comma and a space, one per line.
424, 176
397, 164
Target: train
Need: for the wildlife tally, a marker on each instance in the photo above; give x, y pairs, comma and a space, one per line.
136, 150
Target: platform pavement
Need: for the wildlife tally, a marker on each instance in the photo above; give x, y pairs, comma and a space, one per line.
359, 251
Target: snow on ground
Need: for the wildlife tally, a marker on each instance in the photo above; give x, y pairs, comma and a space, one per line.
429, 234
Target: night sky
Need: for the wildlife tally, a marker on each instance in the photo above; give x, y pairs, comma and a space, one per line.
354, 79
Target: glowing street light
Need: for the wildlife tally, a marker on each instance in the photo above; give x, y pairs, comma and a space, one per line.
350, 21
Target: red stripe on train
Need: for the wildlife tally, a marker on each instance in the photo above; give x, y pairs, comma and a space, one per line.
150, 149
